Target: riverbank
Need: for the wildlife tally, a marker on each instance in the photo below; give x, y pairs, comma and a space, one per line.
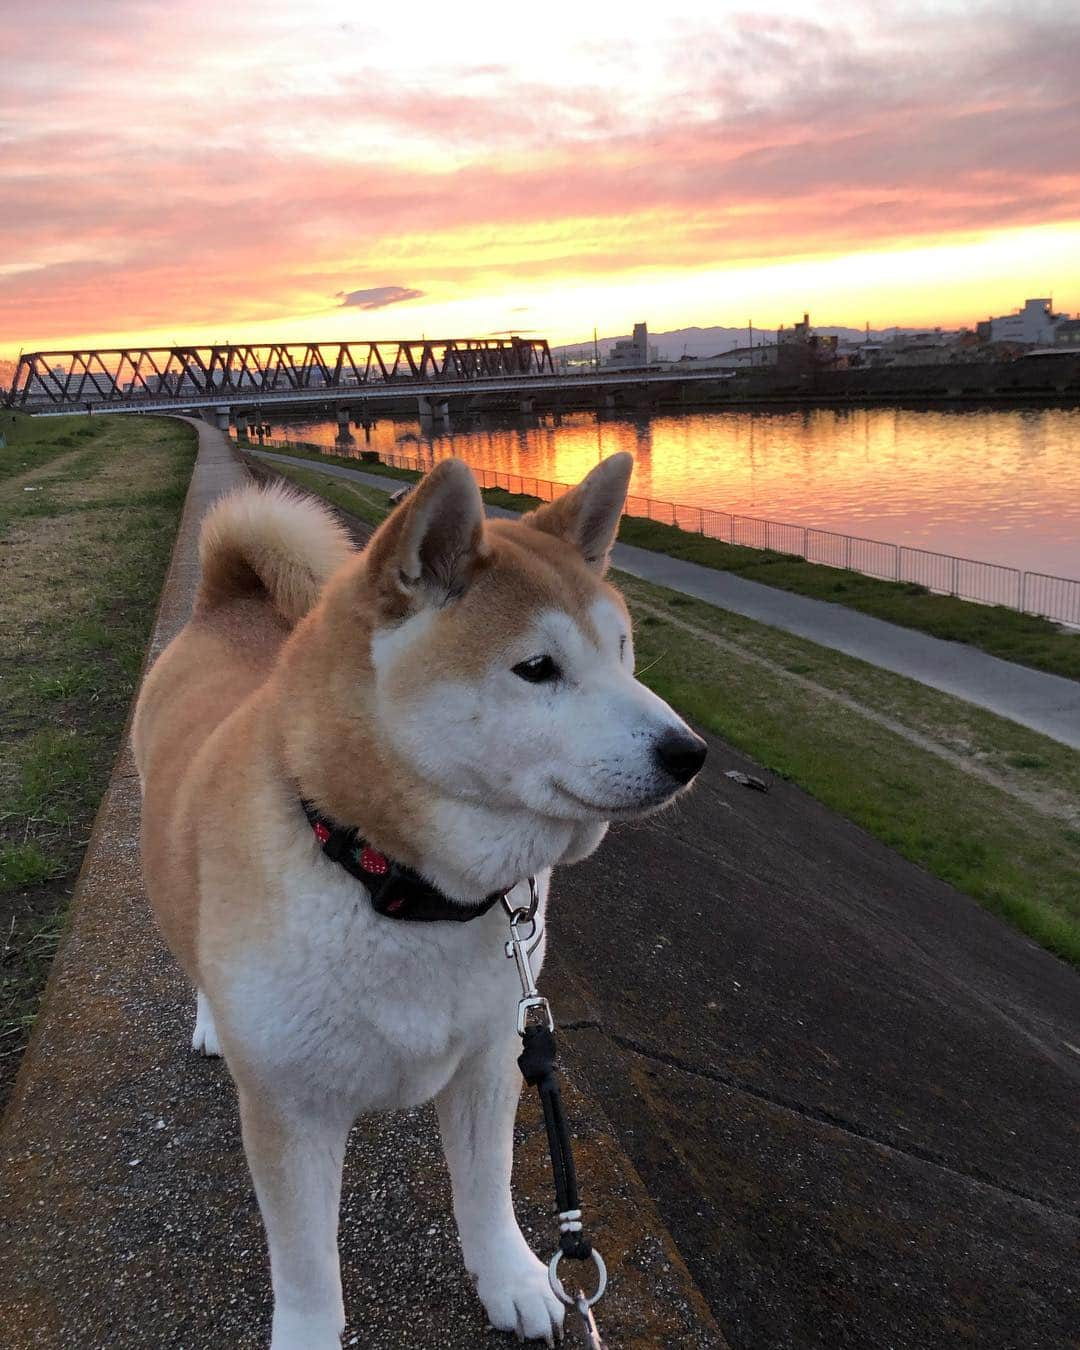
88, 513
976, 799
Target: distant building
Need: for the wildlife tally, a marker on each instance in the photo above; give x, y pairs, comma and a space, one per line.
932, 347
739, 358
1033, 325
1067, 333
799, 345
629, 353
797, 333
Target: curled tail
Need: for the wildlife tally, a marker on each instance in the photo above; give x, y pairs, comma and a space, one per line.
269, 540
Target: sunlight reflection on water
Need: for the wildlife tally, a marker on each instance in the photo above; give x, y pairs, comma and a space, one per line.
1003, 486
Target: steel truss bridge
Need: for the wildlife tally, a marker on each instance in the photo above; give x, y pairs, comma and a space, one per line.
192, 375
227, 379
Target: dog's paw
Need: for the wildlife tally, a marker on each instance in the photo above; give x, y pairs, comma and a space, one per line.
517, 1297
304, 1331
204, 1039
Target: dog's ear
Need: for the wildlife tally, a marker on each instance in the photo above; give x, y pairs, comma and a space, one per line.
588, 515
428, 550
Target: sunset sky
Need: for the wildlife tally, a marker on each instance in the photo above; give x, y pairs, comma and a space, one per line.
202, 171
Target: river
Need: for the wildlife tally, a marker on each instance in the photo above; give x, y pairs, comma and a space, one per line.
998, 485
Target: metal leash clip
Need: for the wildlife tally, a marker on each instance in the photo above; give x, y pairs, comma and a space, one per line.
521, 946
592, 1334
584, 1305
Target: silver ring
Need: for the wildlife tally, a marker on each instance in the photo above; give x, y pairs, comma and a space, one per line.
557, 1285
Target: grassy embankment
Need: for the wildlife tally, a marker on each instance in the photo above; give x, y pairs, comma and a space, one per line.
983, 803
1024, 638
88, 514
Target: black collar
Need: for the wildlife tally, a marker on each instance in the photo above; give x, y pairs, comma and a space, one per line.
396, 891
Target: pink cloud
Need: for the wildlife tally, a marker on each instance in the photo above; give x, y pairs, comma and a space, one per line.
144, 204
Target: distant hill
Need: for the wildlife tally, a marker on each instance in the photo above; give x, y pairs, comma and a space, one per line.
712, 341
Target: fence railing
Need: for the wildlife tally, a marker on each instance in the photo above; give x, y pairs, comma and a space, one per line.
986, 583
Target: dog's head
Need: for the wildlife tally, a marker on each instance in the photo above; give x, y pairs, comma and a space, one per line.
505, 661
499, 663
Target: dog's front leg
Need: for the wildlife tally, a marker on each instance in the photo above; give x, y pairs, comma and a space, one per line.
296, 1162
476, 1117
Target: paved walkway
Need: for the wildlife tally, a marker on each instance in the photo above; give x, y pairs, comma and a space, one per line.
1046, 703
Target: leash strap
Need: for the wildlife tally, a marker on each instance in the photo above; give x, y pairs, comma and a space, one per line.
537, 1063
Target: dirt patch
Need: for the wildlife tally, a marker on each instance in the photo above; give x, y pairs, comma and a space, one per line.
16, 488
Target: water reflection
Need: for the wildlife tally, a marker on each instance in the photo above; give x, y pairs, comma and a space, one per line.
999, 485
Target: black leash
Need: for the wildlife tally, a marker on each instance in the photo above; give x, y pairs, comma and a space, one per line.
537, 1065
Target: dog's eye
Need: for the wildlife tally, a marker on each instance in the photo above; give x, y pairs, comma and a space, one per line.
537, 669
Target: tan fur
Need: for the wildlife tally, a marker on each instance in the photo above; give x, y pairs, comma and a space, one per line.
265, 554
237, 717
272, 540
587, 517
235, 697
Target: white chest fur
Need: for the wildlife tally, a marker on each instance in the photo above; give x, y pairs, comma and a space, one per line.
378, 1013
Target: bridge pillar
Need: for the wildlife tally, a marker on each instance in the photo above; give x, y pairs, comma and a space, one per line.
607, 399
433, 408
344, 427
525, 405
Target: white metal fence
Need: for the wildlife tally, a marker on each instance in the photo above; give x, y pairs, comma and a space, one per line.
1051, 597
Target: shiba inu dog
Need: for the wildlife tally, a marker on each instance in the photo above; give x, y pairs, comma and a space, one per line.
338, 742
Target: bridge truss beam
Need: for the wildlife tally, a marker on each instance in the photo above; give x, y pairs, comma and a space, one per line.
125, 377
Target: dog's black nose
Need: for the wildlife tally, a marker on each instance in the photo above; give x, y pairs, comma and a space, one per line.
681, 754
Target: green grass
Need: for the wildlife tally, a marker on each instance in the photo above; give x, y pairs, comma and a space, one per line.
24, 865
32, 442
1023, 638
85, 552
983, 803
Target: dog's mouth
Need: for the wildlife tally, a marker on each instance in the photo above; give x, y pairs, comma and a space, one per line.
618, 810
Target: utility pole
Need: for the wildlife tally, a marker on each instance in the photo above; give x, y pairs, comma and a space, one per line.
750, 329
596, 349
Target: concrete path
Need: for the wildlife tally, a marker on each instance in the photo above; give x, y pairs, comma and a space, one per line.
853, 1094
127, 1218
1046, 703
